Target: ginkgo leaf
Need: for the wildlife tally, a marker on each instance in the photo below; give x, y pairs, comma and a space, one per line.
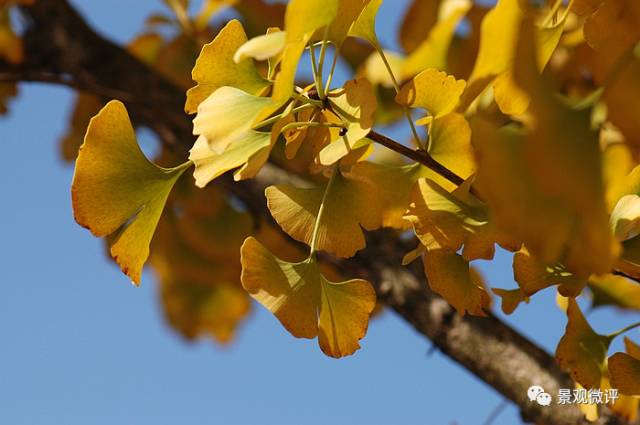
116, 190
227, 114
499, 34
562, 139
365, 26
211, 164
302, 19
226, 139
617, 163
615, 290
418, 20
355, 105
432, 90
432, 52
511, 298
305, 302
625, 217
553, 230
449, 275
439, 218
349, 206
625, 373
632, 348
348, 12
533, 275
216, 68
262, 47
450, 145
581, 351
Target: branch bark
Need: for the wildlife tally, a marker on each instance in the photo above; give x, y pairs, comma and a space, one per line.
61, 48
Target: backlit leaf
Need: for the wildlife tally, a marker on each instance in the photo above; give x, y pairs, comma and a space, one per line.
305, 302
116, 190
216, 68
439, 217
262, 47
615, 290
432, 90
533, 275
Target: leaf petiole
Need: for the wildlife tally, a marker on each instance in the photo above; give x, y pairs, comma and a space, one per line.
621, 331
316, 225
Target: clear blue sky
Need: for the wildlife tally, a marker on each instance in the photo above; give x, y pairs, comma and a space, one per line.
82, 346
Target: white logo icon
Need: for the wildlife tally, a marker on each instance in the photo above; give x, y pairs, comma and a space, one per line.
536, 393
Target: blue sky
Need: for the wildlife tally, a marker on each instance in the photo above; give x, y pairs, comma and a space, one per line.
81, 345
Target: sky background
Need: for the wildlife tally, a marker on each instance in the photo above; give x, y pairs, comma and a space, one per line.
81, 345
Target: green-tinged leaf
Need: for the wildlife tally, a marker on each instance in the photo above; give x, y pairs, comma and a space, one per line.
365, 26
449, 275
211, 164
625, 373
616, 291
262, 47
226, 115
117, 191
581, 351
441, 220
533, 275
216, 68
305, 302
625, 217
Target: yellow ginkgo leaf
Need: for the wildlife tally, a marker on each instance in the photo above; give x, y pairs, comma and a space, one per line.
511, 298
439, 218
615, 290
305, 302
227, 114
418, 20
348, 13
302, 19
625, 217
625, 373
349, 206
355, 105
432, 90
617, 163
432, 52
117, 191
216, 68
365, 26
450, 145
262, 47
562, 139
211, 164
449, 275
625, 406
581, 351
533, 275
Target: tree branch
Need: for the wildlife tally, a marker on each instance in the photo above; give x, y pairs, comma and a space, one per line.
61, 48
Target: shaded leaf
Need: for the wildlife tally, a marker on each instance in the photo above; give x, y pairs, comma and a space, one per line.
581, 351
449, 275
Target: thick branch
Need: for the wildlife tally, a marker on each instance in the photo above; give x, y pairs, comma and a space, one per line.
61, 48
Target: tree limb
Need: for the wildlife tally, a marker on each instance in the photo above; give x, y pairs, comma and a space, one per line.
61, 48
